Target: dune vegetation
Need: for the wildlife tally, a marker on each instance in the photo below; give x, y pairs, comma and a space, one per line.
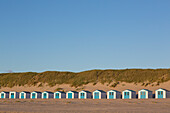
111, 77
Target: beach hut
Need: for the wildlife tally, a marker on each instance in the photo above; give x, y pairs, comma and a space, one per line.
24, 95
4, 94
13, 95
113, 94
35, 95
128, 94
84, 94
59, 95
71, 94
47, 94
99, 94
144, 94
162, 93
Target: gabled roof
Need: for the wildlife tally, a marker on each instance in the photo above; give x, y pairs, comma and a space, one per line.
72, 91
99, 91
24, 92
144, 90
161, 89
85, 91
47, 92
35, 92
128, 90
4, 92
59, 92
112, 91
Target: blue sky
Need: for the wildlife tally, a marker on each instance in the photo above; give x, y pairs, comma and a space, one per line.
78, 35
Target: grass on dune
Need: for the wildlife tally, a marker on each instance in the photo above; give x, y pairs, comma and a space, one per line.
78, 79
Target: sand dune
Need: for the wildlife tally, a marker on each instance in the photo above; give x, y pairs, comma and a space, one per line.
89, 87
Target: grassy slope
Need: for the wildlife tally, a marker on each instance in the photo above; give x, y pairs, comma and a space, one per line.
78, 79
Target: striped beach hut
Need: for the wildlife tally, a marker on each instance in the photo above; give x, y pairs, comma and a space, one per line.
24, 95
35, 95
128, 94
13, 95
47, 95
99, 94
113, 94
162, 93
4, 94
59, 95
71, 94
84, 94
144, 94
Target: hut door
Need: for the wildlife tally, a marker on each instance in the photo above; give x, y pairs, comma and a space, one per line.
12, 95
69, 95
2, 95
143, 95
111, 95
96, 95
57, 95
33, 95
82, 95
126, 95
22, 95
160, 94
45, 95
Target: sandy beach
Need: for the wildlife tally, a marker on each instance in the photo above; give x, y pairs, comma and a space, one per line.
84, 106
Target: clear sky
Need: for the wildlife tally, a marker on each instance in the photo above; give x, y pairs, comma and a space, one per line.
78, 35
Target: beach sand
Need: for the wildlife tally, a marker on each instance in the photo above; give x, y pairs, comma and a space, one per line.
84, 106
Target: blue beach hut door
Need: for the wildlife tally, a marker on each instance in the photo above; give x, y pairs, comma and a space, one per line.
160, 94
33, 95
45, 95
57, 95
2, 95
70, 95
96, 95
82, 95
12, 95
111, 95
126, 95
22, 95
143, 95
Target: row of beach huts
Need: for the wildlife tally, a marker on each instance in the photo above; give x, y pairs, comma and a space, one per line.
97, 94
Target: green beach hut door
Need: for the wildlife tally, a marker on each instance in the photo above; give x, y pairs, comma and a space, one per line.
57, 95
111, 95
70, 95
96, 95
142, 95
12, 95
33, 95
2, 95
82, 95
126, 95
22, 95
160, 94
45, 95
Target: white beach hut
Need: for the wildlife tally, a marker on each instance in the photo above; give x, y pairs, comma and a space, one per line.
24, 95
128, 94
113, 94
99, 94
162, 93
71, 94
13, 95
84, 94
47, 95
35, 95
4, 94
59, 95
144, 94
